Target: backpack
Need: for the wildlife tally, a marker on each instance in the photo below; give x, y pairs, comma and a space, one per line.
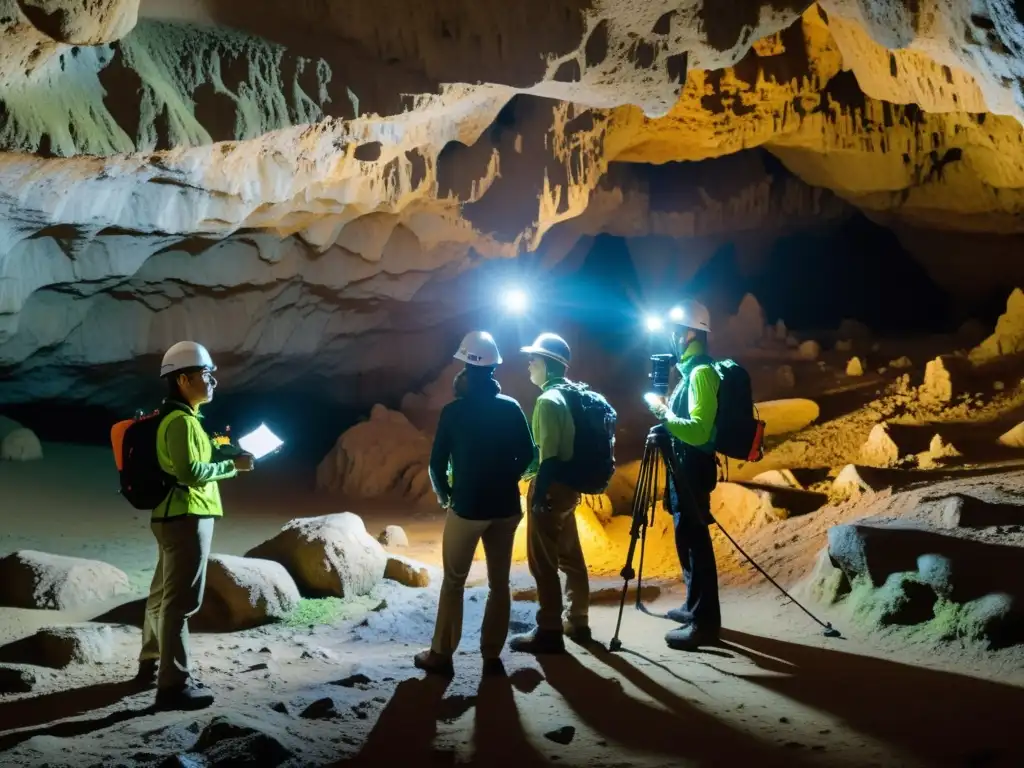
592, 464
739, 432
143, 482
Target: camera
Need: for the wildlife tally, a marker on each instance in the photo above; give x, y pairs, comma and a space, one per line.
661, 369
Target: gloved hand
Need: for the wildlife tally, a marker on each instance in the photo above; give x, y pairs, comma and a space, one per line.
657, 406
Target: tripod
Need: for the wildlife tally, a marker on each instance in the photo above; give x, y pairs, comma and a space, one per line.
645, 500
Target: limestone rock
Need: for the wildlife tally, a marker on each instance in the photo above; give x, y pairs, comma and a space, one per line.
393, 536
786, 501
853, 480
235, 739
901, 362
880, 449
384, 456
1014, 437
30, 579
21, 445
327, 556
809, 350
245, 592
82, 22
7, 426
16, 679
784, 377
784, 478
828, 584
741, 509
60, 646
407, 571
998, 386
788, 415
964, 511
746, 327
938, 450
943, 379
1008, 337
844, 345
781, 332
854, 367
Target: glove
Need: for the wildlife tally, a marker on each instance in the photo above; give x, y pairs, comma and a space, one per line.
658, 407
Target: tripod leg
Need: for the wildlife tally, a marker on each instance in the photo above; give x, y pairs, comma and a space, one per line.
641, 498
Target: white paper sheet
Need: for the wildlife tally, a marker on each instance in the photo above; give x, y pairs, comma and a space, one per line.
260, 442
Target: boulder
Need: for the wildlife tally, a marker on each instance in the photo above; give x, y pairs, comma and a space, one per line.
16, 679
889, 444
21, 445
245, 592
901, 362
854, 479
393, 536
783, 478
963, 511
740, 508
788, 415
844, 345
854, 367
30, 579
943, 379
384, 456
61, 646
939, 451
7, 426
327, 556
235, 739
1008, 337
788, 501
1013, 438
746, 327
407, 571
809, 350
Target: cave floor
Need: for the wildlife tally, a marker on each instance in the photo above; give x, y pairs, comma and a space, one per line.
775, 690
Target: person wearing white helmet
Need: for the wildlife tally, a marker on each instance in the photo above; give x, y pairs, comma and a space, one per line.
553, 541
183, 526
484, 437
689, 415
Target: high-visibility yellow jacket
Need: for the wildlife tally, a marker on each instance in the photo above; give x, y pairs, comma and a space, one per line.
185, 451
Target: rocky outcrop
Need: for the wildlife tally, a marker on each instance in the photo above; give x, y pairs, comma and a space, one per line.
245, 592
21, 445
30, 579
301, 200
327, 556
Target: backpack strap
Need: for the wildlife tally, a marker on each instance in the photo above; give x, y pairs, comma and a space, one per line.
169, 411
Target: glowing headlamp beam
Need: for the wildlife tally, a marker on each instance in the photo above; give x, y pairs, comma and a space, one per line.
515, 301
654, 323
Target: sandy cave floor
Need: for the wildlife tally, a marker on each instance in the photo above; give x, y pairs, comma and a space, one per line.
776, 690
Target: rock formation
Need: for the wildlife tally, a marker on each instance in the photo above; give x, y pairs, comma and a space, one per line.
295, 184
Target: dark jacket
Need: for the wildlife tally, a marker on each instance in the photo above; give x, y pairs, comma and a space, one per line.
487, 439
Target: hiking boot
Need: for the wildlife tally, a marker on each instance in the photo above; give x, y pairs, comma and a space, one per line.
146, 676
433, 663
691, 637
494, 668
538, 641
192, 695
680, 616
581, 635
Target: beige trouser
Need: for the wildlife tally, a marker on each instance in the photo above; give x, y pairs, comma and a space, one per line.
553, 544
175, 595
461, 537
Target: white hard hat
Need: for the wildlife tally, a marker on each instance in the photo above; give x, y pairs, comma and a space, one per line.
691, 314
552, 346
184, 355
478, 348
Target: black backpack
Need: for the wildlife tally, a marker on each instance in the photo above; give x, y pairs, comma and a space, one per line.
143, 483
593, 449
739, 433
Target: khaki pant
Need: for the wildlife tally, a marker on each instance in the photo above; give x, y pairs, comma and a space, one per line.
461, 537
553, 544
175, 595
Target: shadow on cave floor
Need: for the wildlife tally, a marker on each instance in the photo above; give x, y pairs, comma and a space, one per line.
942, 717
19, 717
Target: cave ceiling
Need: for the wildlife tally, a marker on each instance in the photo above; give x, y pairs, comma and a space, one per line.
294, 182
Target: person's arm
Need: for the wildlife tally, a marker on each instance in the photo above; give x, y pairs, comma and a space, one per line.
702, 398
440, 453
548, 435
185, 442
524, 447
